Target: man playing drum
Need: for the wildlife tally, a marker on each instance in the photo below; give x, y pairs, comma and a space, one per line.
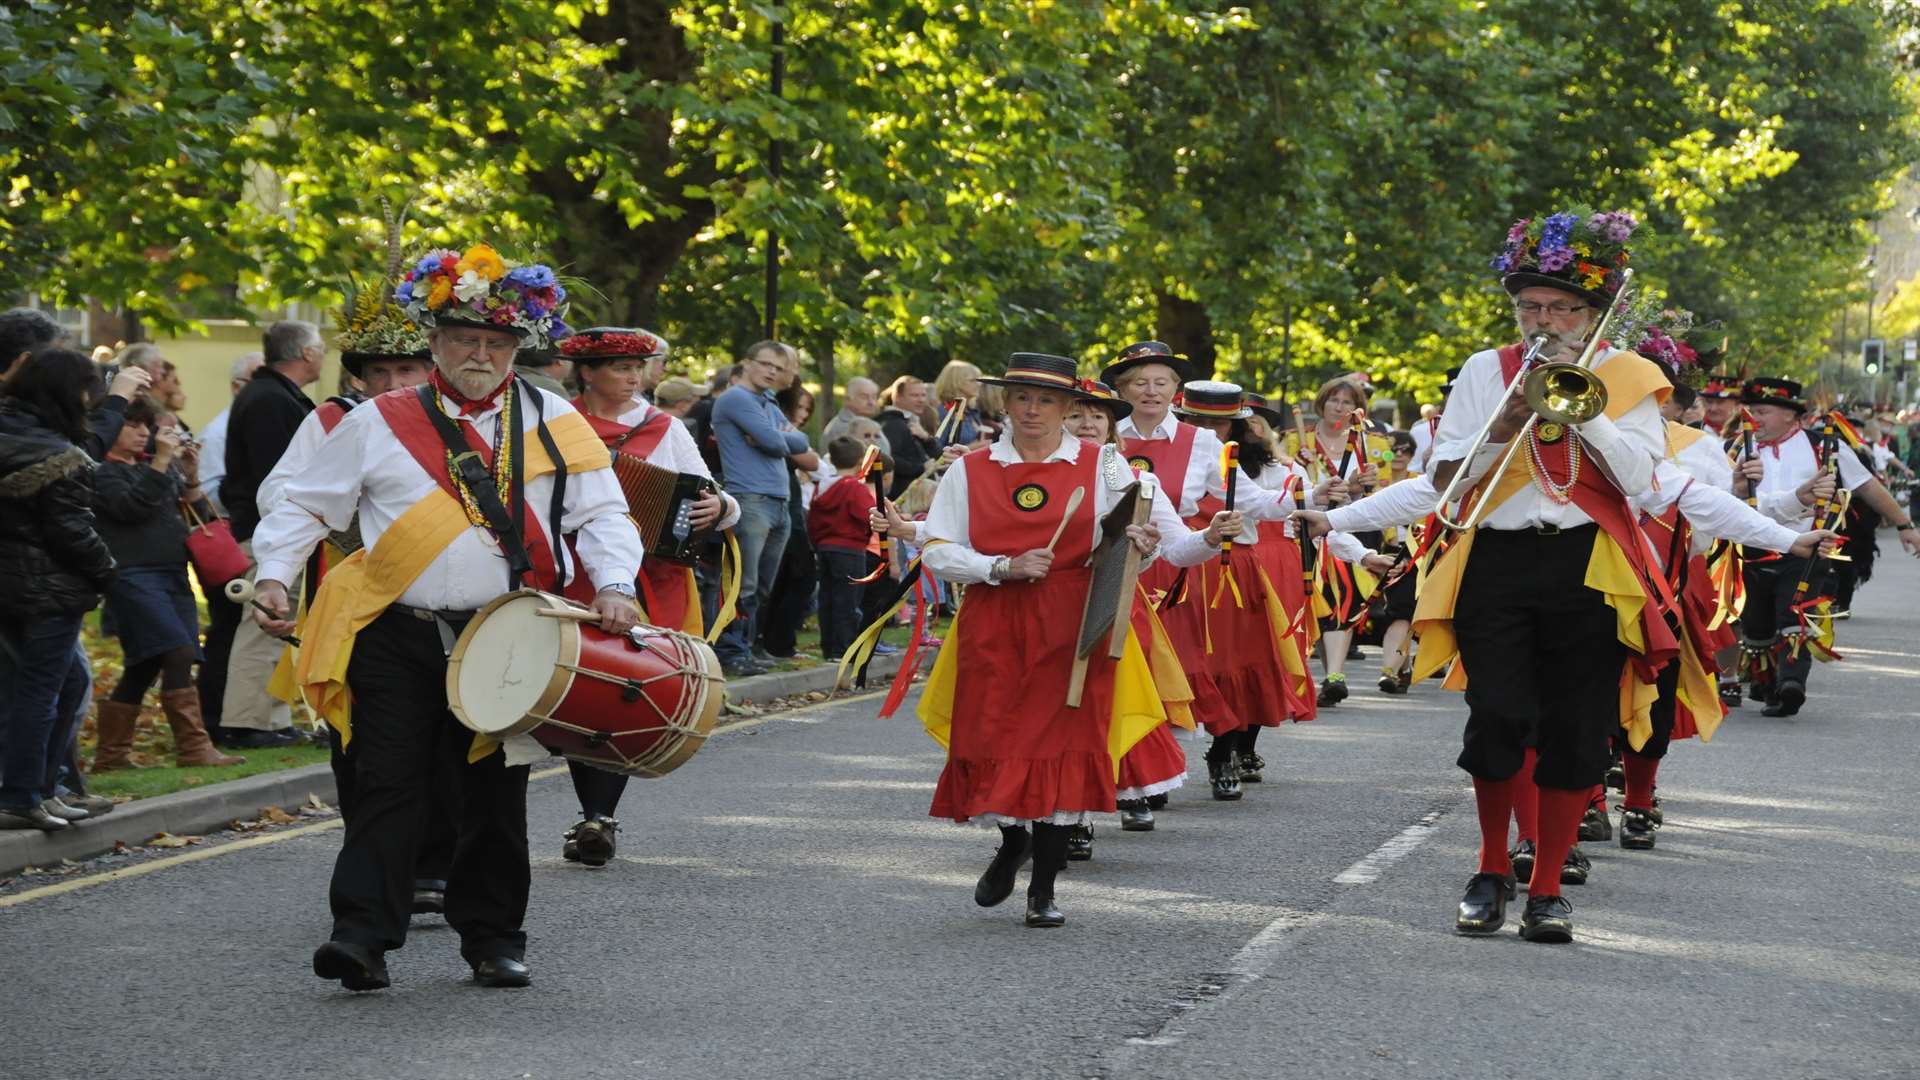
462, 487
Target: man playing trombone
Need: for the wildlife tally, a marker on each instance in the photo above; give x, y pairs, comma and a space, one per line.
1541, 445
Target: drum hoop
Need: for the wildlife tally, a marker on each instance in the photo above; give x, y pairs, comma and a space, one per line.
558, 684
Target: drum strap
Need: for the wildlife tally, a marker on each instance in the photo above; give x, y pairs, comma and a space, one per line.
507, 528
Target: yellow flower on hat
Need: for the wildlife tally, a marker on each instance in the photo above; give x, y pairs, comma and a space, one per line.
482, 260
441, 292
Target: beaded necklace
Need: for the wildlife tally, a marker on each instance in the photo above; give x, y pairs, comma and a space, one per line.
502, 462
1537, 465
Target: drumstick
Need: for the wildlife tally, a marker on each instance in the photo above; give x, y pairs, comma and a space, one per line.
1073, 503
240, 591
576, 614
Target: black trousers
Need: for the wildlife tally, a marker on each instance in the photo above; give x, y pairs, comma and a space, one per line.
1542, 655
435, 861
844, 605
403, 739
223, 618
1668, 683
598, 790
1769, 611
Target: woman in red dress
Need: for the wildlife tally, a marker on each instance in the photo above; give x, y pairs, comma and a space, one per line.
610, 364
1016, 521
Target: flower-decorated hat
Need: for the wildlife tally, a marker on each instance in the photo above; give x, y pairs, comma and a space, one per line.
370, 327
1768, 391
1042, 370
605, 344
1576, 251
1146, 352
1102, 394
1665, 340
1212, 401
1719, 384
479, 288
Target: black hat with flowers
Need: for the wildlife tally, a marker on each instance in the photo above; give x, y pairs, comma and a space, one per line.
1575, 251
1141, 353
1209, 400
1770, 391
1042, 370
1101, 394
604, 344
1719, 384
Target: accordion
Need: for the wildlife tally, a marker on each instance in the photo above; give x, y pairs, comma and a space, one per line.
661, 503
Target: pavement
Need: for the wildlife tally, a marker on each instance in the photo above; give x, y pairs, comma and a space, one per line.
783, 907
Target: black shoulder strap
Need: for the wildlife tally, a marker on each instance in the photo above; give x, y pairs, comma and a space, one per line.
507, 528
556, 508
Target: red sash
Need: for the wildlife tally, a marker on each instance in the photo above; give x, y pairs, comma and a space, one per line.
408, 419
1166, 459
331, 413
652, 431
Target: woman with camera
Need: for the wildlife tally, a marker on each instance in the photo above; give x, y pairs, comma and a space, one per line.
151, 472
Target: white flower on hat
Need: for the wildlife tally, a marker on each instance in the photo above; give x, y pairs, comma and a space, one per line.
471, 287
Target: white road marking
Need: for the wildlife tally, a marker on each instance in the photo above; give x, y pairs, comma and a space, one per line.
1368, 869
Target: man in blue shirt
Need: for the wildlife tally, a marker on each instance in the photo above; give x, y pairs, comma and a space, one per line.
757, 448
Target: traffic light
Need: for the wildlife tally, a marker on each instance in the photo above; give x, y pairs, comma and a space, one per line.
1873, 353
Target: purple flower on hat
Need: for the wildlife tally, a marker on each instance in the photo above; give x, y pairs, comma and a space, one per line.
1616, 227
404, 294
1518, 233
1559, 259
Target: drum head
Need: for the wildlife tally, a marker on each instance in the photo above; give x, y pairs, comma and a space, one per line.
506, 671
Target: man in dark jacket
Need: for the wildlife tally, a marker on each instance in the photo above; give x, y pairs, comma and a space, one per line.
265, 416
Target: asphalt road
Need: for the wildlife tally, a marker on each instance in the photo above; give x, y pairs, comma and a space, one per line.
783, 907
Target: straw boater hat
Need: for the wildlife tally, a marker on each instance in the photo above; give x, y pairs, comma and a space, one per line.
478, 288
604, 344
1102, 394
1212, 401
1574, 251
1042, 370
1146, 352
1767, 391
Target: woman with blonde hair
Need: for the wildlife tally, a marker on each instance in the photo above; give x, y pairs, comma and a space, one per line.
956, 399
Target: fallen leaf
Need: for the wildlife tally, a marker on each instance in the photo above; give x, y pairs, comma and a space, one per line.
168, 840
273, 815
314, 802
120, 847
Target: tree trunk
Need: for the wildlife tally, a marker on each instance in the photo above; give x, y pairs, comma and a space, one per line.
1185, 326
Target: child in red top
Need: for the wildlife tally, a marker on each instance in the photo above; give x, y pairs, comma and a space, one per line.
837, 525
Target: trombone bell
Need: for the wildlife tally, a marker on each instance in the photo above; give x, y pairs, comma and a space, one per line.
1565, 393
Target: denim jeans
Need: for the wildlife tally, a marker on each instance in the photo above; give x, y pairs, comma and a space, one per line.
47, 691
762, 533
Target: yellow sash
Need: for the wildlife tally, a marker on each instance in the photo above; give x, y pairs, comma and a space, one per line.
354, 593
1628, 378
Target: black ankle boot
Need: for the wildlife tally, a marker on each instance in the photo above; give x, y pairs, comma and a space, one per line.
1225, 778
997, 883
1079, 843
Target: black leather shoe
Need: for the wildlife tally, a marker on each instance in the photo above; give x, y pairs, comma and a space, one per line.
429, 897
1225, 781
1041, 912
1731, 695
1657, 815
356, 967
34, 817
501, 971
1636, 830
1135, 817
1016, 846
1157, 802
1522, 856
1616, 777
1484, 907
1390, 683
1079, 843
253, 739
1575, 870
1548, 920
594, 839
1596, 825
570, 844
1250, 766
1787, 699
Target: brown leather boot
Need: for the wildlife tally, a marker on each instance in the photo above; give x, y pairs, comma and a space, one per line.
115, 721
191, 746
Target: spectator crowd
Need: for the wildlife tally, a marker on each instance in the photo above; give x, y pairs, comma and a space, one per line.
109, 502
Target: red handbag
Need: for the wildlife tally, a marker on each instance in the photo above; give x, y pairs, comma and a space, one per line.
217, 557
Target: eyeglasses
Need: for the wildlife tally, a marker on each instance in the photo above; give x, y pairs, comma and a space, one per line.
475, 343
1558, 311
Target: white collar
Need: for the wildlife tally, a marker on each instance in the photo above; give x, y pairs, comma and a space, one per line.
1003, 452
1168, 427
638, 410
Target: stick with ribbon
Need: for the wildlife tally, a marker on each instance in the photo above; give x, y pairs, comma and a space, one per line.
874, 471
1822, 508
1230, 470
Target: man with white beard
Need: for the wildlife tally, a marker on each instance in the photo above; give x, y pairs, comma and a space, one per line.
431, 474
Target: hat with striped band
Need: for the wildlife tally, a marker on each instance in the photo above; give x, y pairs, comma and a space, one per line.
1141, 353
1212, 401
1042, 370
1102, 394
1265, 408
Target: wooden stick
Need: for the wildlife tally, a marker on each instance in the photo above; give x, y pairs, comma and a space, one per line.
575, 614
1073, 503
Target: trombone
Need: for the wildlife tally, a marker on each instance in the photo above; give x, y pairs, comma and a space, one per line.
1561, 393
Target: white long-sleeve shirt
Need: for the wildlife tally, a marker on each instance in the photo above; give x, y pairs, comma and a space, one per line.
213, 457
363, 467
949, 553
1792, 462
1345, 546
300, 450
1629, 446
